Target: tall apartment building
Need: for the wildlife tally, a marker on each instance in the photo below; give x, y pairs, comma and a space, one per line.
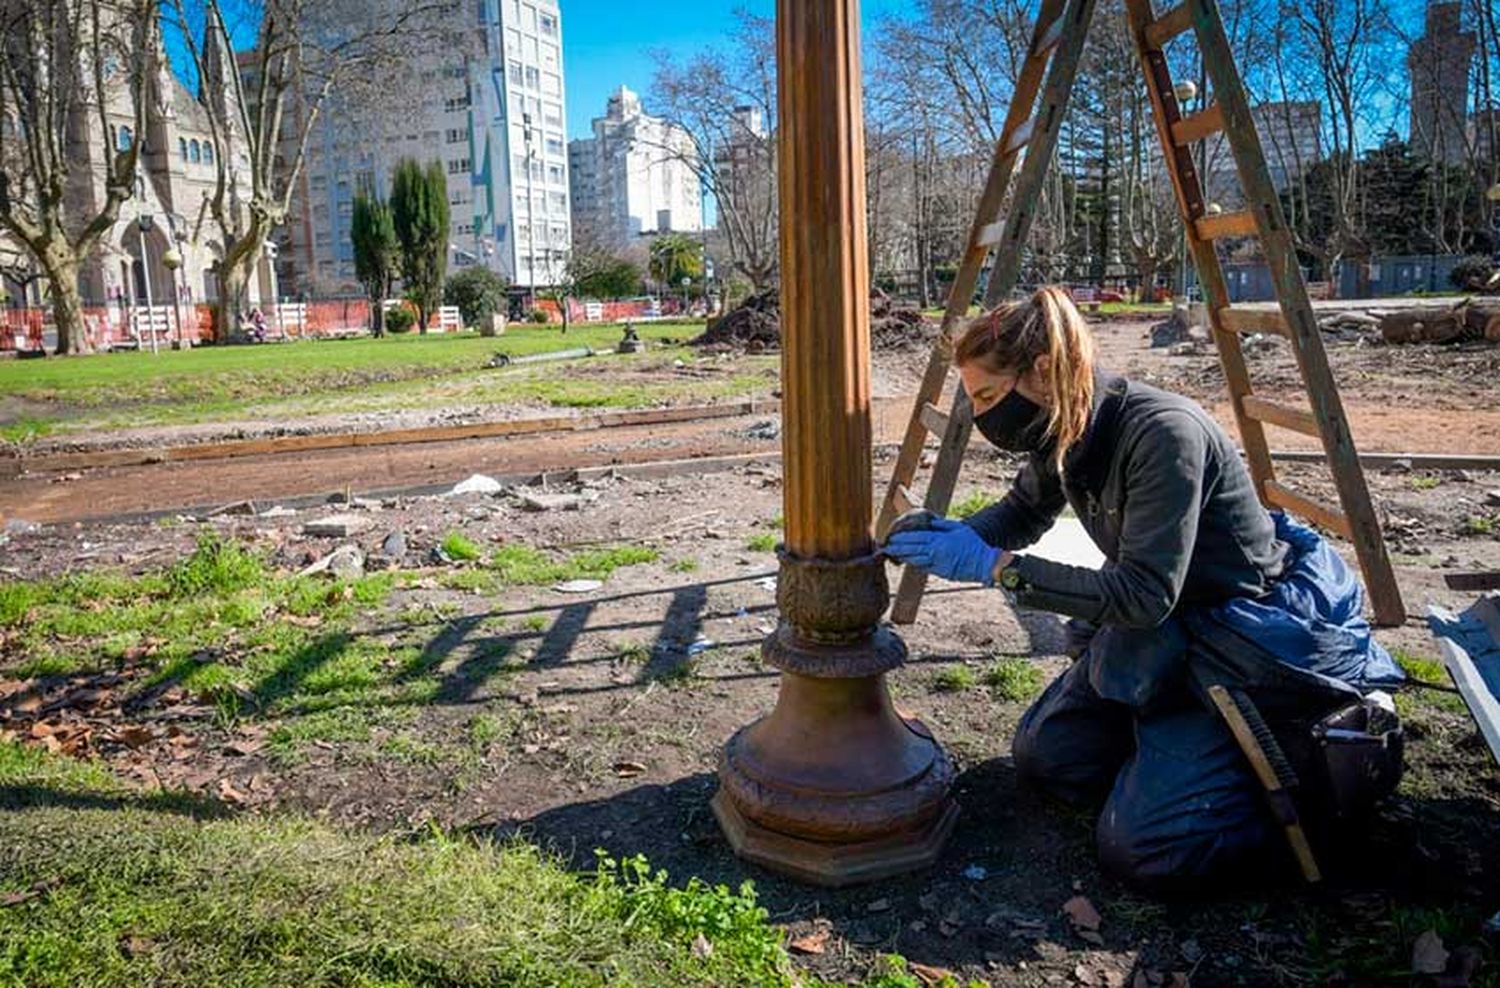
494, 115
1439, 62
1290, 135
637, 175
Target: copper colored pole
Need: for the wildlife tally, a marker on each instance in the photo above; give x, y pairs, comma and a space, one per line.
833, 786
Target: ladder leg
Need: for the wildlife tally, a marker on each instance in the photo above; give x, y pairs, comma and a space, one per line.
1042, 130
1307, 338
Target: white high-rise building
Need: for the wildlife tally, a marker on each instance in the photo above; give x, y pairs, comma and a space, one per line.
636, 175
494, 116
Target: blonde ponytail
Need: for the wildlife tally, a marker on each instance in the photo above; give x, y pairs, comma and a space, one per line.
1009, 338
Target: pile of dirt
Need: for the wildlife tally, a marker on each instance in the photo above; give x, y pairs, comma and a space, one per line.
754, 325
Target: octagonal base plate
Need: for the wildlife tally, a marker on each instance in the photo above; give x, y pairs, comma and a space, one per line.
834, 865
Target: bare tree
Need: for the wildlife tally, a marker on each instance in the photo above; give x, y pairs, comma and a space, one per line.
67, 69
263, 105
725, 100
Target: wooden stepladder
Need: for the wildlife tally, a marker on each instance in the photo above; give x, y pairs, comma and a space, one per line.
1030, 137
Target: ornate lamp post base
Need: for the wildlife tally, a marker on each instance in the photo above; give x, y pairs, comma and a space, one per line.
834, 786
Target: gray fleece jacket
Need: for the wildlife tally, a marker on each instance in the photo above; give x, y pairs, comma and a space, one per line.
1172, 508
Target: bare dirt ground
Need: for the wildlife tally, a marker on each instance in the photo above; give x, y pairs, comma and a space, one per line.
606, 710
1399, 399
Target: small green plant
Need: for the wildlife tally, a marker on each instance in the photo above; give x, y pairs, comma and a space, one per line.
535, 622
954, 679
1014, 679
1478, 525
485, 730
215, 567
399, 319
688, 565
538, 316
972, 504
762, 542
459, 547
1425, 483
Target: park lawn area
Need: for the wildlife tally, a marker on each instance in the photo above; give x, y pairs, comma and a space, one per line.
322, 376
104, 886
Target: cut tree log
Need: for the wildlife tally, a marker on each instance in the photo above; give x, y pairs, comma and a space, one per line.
1474, 319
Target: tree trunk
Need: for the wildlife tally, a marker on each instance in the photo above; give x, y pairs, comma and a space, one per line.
233, 279
377, 314
67, 306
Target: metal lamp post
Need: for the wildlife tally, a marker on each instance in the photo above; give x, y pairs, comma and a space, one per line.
686, 282
143, 226
1184, 91
173, 261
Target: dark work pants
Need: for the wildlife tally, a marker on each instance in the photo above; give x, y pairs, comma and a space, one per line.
1181, 806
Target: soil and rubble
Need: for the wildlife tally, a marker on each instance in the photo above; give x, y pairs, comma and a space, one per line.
754, 326
609, 700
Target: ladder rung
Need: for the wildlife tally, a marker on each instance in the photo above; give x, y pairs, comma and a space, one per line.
1050, 37
935, 419
1169, 25
1285, 416
1020, 137
1281, 497
1198, 125
1240, 223
1254, 321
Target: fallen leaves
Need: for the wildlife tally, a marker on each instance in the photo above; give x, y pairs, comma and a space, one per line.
811, 943
929, 975
36, 890
1084, 918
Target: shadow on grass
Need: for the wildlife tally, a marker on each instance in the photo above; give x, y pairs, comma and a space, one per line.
26, 796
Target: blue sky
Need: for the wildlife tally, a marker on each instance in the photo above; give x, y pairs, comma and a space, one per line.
607, 42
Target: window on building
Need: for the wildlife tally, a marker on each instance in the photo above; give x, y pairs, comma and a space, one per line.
533, 77
549, 56
536, 170
512, 41
552, 115
208, 153
346, 207
456, 136
518, 165
555, 174
458, 166
182, 148
551, 84
557, 202
195, 152
528, 17
523, 232
555, 146
319, 182
515, 74
559, 236
547, 24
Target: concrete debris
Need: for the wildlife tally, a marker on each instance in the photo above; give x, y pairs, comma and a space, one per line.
1492, 498
346, 562
765, 429
337, 526
578, 586
542, 501
394, 546
20, 526
278, 511
1178, 328
478, 484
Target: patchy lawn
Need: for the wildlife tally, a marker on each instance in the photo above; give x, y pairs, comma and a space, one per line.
307, 377
254, 753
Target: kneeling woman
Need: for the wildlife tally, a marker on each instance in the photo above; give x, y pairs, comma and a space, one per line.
1201, 586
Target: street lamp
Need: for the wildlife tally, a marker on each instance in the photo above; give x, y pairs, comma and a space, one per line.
143, 226
173, 261
686, 281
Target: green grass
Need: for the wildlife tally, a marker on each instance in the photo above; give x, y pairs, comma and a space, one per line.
142, 893
459, 547
688, 565
1431, 671
972, 504
1425, 483
535, 623
1478, 525
308, 378
1013, 679
523, 565
762, 542
954, 679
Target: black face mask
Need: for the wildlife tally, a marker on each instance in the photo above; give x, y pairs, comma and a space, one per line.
1014, 423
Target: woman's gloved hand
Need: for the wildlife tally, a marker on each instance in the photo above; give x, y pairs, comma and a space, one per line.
949, 549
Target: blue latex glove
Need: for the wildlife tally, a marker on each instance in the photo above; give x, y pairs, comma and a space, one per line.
949, 549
